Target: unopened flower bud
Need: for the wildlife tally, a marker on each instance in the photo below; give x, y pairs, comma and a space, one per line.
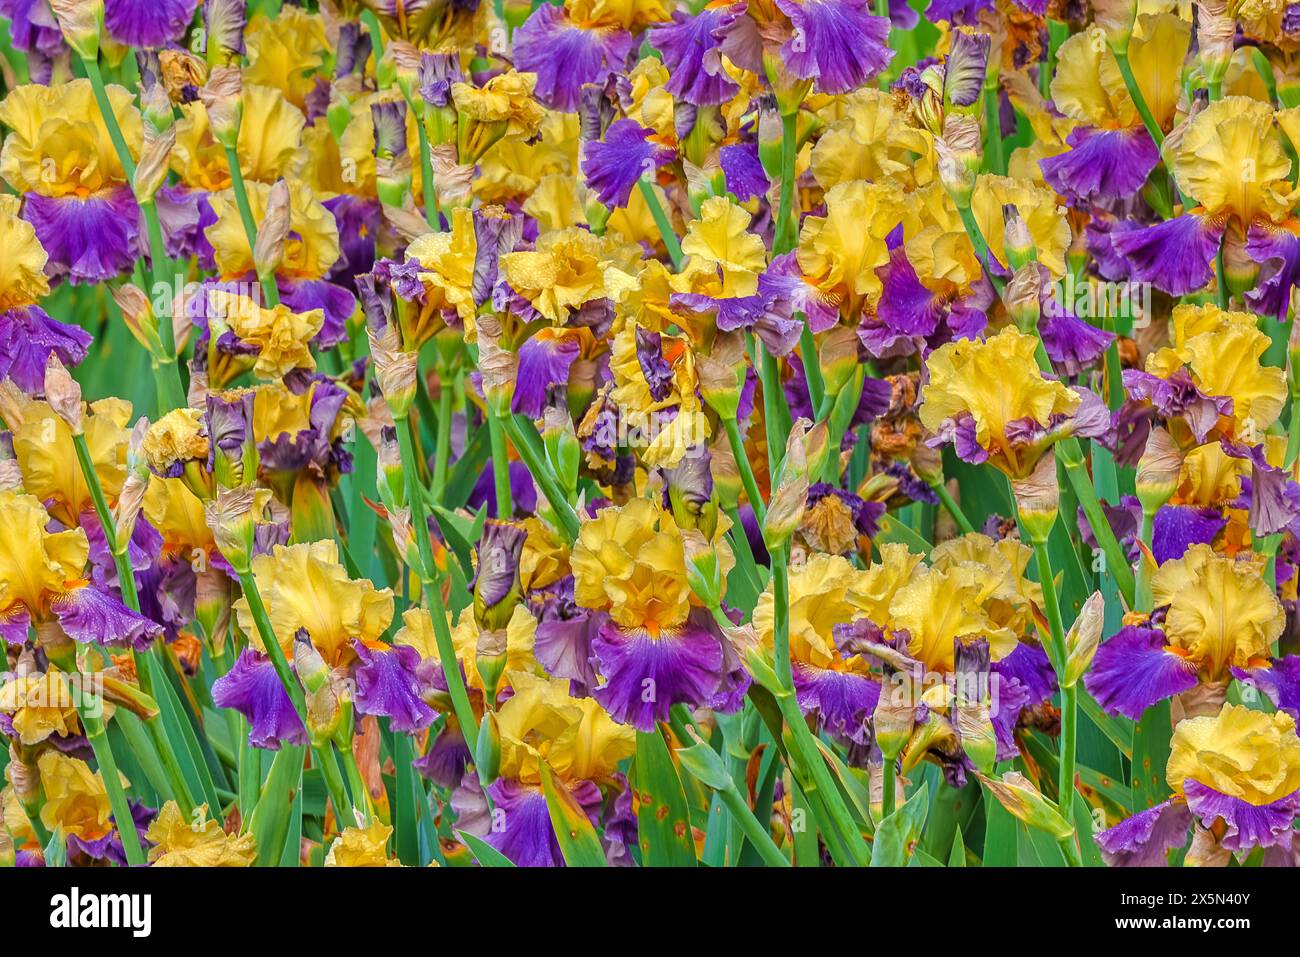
137, 312
225, 21
838, 357
155, 159
973, 701
791, 496
706, 566
63, 394
131, 498
721, 374
222, 97
1082, 639
325, 711
1023, 298
1158, 470
82, 23
1017, 794
490, 658
895, 715
496, 585
1116, 17
563, 450
395, 371
233, 516
1038, 498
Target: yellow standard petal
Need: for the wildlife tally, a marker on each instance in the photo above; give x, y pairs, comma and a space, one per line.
1222, 614
1238, 752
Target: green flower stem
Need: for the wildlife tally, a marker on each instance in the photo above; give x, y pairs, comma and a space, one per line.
979, 243
433, 591
126, 583
889, 776
746, 470
1056, 32
755, 833
532, 455
442, 444
324, 758
1069, 696
776, 412
1143, 593
1070, 455
97, 735
500, 465
1293, 438
781, 624
804, 746
1139, 101
811, 365
168, 384
109, 117
995, 148
269, 290
744, 554
429, 189
460, 702
329, 770
787, 219
32, 808
950, 503
357, 784
671, 242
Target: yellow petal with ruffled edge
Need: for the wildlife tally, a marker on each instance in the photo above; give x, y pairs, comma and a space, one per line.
58, 144
269, 141
1221, 612
310, 251
200, 842
40, 705
996, 381
281, 336
285, 52
1231, 160
362, 847
48, 461
304, 586
841, 251
823, 594
75, 798
936, 607
1229, 362
1037, 207
720, 238
22, 269
1238, 752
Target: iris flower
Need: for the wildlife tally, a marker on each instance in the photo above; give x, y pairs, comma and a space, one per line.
59, 157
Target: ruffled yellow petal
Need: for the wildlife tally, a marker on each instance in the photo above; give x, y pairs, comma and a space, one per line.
285, 52
304, 586
48, 460
1231, 160
22, 270
309, 252
1221, 612
1238, 752
270, 137
199, 842
1037, 207
58, 144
